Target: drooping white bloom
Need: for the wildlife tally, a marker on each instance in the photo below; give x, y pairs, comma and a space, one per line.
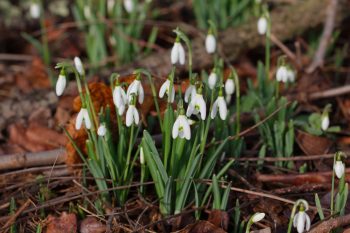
142, 156
87, 12
34, 10
262, 25
165, 89
101, 131
197, 105
210, 43
190, 92
110, 5
83, 116
136, 88
181, 128
132, 116
228, 98
282, 74
325, 122
291, 76
119, 99
60, 84
339, 168
177, 54
257, 217
229, 86
212, 80
301, 221
220, 105
79, 65
128, 5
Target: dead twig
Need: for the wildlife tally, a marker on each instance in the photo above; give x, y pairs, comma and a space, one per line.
12, 218
318, 59
329, 225
21, 160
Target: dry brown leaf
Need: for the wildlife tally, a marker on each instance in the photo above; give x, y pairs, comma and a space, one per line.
92, 225
219, 218
63, 224
202, 227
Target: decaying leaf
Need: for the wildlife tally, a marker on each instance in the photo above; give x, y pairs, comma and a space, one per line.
64, 223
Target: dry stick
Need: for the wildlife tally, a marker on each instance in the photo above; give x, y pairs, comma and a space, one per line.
330, 93
13, 217
286, 50
331, 224
310, 177
326, 36
295, 158
21, 160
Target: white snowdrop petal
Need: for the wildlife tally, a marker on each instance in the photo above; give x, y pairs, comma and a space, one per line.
175, 53
210, 43
175, 131
190, 109
142, 156
308, 222
60, 85
301, 222
121, 109
190, 92
228, 98
282, 74
202, 107
295, 220
186, 128
78, 65
262, 25
141, 93
212, 80
163, 88
34, 10
258, 217
128, 5
172, 97
129, 116
136, 116
79, 120
181, 55
229, 86
339, 169
325, 123
86, 119
291, 76
101, 131
222, 108
214, 109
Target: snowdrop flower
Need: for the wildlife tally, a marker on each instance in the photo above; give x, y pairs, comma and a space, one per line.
132, 115
135, 88
181, 127
325, 122
119, 99
61, 83
110, 5
291, 75
190, 92
197, 105
79, 65
210, 43
229, 86
129, 5
212, 80
34, 10
262, 25
220, 105
101, 131
257, 217
87, 12
142, 156
301, 220
165, 89
339, 168
83, 116
177, 53
282, 74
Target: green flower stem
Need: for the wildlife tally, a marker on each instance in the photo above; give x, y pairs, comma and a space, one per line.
238, 103
267, 48
291, 218
128, 157
154, 93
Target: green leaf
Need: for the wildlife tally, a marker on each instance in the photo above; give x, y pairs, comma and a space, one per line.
319, 207
216, 193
